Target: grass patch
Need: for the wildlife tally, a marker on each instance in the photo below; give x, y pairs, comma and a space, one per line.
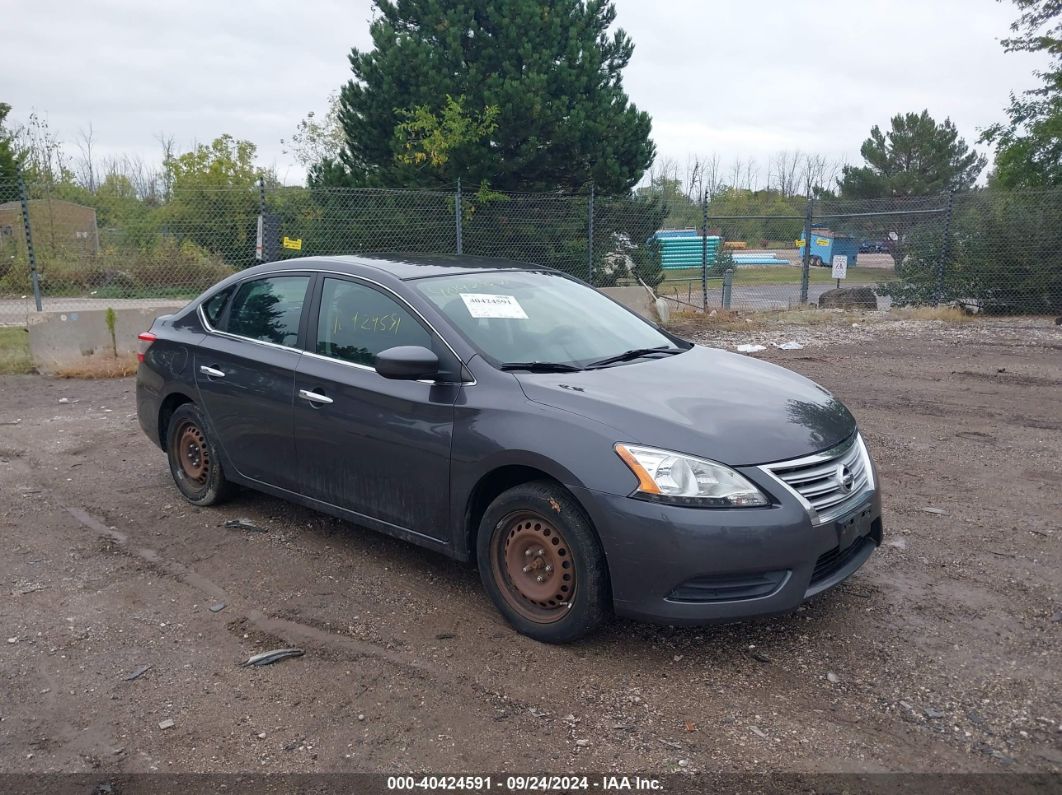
946, 314
787, 274
99, 367
14, 351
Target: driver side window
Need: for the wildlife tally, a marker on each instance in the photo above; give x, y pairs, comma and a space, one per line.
357, 322
269, 310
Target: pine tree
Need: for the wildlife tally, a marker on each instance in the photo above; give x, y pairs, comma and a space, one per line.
530, 93
916, 157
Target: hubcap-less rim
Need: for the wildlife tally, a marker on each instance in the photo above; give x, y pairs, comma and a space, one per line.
533, 567
192, 452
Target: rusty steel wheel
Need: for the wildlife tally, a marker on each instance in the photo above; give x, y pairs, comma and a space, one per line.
533, 563
192, 452
194, 461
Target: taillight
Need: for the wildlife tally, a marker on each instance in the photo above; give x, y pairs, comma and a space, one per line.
144, 340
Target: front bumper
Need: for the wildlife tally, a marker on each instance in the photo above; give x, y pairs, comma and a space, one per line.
680, 565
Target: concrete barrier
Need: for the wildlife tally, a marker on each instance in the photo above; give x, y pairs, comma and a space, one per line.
65, 339
61, 340
637, 299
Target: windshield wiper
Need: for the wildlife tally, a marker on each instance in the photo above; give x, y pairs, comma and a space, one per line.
541, 367
634, 353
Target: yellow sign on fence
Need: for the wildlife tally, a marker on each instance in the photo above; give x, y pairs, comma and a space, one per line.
294, 243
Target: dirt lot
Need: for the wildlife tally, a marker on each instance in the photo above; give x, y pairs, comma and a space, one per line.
942, 654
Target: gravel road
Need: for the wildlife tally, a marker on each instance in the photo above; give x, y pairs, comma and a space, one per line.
942, 654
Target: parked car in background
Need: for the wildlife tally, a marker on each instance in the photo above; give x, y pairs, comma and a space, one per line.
590, 462
873, 247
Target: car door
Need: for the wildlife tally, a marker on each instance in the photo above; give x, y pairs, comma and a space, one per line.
245, 372
374, 446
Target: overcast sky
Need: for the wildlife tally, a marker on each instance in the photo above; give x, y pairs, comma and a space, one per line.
741, 78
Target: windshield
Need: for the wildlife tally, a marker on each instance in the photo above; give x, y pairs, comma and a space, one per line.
528, 316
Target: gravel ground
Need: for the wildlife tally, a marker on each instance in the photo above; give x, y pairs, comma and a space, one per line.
942, 654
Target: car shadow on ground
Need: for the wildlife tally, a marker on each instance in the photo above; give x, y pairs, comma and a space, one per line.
443, 579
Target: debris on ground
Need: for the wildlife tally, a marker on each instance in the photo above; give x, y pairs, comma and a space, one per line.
899, 542
166, 724
217, 607
445, 636
138, 672
270, 657
832, 678
758, 732
792, 345
751, 348
243, 523
936, 511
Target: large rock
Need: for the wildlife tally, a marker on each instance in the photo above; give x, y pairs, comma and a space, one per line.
849, 298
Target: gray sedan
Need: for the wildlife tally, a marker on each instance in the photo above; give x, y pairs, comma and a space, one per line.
590, 462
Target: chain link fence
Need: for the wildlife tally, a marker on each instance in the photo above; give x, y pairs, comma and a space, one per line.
65, 248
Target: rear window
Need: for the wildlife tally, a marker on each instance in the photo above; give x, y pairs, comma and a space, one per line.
269, 310
215, 305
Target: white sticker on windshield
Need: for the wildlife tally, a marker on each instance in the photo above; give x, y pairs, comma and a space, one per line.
486, 305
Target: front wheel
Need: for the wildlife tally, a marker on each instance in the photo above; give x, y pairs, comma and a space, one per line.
193, 458
542, 564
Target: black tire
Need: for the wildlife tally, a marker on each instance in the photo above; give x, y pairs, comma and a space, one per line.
568, 595
194, 462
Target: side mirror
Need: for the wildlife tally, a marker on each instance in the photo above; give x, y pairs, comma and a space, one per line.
407, 363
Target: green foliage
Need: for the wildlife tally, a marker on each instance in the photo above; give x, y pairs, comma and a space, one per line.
41, 156
916, 157
9, 160
553, 71
784, 227
317, 139
1029, 144
428, 140
111, 319
213, 199
1006, 253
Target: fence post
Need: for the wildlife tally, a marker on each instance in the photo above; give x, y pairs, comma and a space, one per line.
945, 249
704, 252
590, 236
805, 270
457, 217
259, 243
28, 231
728, 286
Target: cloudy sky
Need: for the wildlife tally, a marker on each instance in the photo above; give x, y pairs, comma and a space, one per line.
740, 78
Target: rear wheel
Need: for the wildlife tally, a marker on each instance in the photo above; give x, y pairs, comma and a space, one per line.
194, 463
541, 563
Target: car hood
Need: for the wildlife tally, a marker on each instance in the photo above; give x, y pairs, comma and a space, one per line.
727, 407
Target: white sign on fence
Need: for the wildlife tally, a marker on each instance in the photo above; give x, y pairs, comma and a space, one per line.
840, 266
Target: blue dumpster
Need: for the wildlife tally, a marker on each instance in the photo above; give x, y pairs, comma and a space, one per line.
825, 244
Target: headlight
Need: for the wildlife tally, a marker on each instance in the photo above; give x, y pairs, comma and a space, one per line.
680, 479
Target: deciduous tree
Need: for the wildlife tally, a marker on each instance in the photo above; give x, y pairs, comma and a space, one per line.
1029, 143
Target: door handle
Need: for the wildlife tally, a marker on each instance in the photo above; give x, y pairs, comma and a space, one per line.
211, 371
314, 397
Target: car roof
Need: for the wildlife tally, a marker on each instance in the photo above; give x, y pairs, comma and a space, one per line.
408, 266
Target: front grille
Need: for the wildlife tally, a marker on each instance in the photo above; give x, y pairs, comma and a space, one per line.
828, 481
829, 563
